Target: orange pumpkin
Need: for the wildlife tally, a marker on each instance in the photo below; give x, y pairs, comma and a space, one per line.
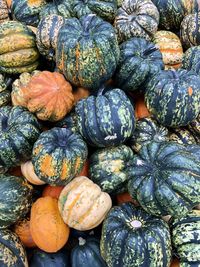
48, 230
125, 197
29, 173
16, 171
47, 94
80, 93
52, 191
175, 263
22, 229
85, 170
9, 3
141, 110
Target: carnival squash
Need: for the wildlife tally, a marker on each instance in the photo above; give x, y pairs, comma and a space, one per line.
29, 173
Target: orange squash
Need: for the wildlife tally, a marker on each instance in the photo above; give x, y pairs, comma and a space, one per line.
175, 263
29, 173
48, 230
80, 93
52, 191
16, 171
125, 197
141, 110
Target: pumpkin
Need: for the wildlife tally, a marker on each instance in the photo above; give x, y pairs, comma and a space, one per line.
107, 119
173, 97
132, 237
22, 229
4, 93
85, 169
19, 129
52, 191
185, 238
18, 52
55, 235
58, 156
87, 253
147, 130
141, 110
15, 199
83, 205
47, 34
48, 95
136, 18
125, 197
11, 250
108, 168
139, 61
183, 136
106, 9
164, 177
171, 48
80, 93
93, 57
28, 172
191, 59
4, 14
57, 7
27, 11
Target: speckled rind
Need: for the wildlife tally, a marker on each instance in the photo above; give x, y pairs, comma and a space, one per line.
191, 59
194, 127
183, 136
173, 97
4, 93
4, 16
62, 8
87, 51
165, 178
124, 245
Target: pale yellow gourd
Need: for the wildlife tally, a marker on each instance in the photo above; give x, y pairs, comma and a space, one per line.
29, 173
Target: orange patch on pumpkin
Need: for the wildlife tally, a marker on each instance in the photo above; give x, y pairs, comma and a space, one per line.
190, 91
77, 164
46, 165
64, 171
34, 2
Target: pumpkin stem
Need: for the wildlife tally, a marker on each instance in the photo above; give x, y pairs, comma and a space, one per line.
82, 241
136, 224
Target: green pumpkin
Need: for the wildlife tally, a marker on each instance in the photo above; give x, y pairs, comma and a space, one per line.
147, 130
183, 136
186, 238
87, 51
132, 237
191, 59
12, 252
107, 119
165, 178
5, 97
107, 168
194, 127
15, 199
106, 9
173, 97
58, 156
136, 18
57, 7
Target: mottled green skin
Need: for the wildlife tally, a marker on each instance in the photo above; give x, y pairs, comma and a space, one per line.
136, 18
15, 199
59, 155
165, 178
147, 130
139, 61
87, 51
124, 245
183, 136
172, 12
106, 120
19, 130
106, 9
173, 97
62, 8
194, 127
69, 122
5, 97
191, 59
12, 252
186, 238
107, 168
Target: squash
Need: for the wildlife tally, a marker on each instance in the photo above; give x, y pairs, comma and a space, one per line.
57, 7
107, 119
11, 250
93, 58
83, 205
194, 127
191, 59
171, 48
4, 14
132, 237
108, 168
47, 94
136, 18
183, 136
4, 92
52, 191
15, 199
164, 178
141, 110
22, 229
165, 92
28, 172
58, 156
18, 51
19, 129
54, 236
80, 93
139, 61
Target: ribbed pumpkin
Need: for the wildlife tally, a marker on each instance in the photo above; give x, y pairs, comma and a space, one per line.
139, 61
48, 230
87, 51
136, 18
3, 11
107, 119
132, 237
186, 238
173, 97
108, 168
18, 51
27, 11
58, 156
83, 205
11, 250
191, 59
171, 48
52, 191
15, 199
48, 95
194, 127
28, 172
165, 178
57, 7
4, 93
19, 129
183, 136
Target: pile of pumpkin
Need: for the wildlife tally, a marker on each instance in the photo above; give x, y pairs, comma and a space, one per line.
99, 133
